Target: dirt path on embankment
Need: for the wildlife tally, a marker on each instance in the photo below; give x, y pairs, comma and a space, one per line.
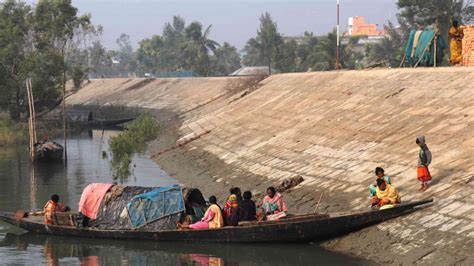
332, 128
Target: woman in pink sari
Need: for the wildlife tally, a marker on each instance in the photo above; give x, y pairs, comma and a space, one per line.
212, 218
273, 205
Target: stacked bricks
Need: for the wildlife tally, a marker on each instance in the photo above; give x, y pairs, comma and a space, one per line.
468, 46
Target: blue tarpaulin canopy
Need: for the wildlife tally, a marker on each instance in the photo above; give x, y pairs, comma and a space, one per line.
154, 205
423, 53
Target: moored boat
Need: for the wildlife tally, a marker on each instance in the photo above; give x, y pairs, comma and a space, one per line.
48, 151
300, 228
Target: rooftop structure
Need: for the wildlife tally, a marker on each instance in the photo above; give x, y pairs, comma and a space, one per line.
357, 26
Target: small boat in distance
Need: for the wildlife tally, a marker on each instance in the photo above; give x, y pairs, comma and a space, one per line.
48, 151
298, 228
85, 118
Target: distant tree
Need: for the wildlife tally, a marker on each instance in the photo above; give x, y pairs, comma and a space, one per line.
100, 60
263, 47
252, 54
304, 50
150, 54
197, 48
15, 54
285, 56
389, 49
56, 23
323, 56
226, 60
126, 56
172, 52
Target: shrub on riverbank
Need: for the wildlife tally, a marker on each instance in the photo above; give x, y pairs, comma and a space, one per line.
132, 140
11, 133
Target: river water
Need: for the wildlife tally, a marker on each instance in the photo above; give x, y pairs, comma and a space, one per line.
28, 187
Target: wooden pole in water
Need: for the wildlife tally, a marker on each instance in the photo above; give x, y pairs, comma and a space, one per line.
34, 111
64, 116
31, 127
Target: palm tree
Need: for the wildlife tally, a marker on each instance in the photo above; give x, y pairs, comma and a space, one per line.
197, 47
323, 56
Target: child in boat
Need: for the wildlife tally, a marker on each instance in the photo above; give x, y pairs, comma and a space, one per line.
424, 160
248, 210
212, 218
385, 194
380, 174
231, 208
274, 207
51, 207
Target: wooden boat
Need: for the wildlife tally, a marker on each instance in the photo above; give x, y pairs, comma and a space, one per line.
101, 123
85, 118
303, 228
48, 151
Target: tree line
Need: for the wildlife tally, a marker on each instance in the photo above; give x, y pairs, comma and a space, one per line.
40, 43
51, 44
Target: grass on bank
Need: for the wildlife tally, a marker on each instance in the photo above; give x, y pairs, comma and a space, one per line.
132, 140
11, 133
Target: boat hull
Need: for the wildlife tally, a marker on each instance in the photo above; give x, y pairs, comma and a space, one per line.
49, 155
309, 228
100, 124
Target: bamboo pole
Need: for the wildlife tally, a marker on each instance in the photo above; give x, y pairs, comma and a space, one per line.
403, 60
30, 121
34, 111
64, 116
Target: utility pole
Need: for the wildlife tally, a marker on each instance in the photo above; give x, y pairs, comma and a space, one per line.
337, 37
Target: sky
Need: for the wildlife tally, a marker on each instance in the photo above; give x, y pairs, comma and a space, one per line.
234, 21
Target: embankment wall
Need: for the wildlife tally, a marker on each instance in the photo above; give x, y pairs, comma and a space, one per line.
333, 128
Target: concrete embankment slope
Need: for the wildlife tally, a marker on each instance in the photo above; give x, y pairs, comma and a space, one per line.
334, 128
180, 95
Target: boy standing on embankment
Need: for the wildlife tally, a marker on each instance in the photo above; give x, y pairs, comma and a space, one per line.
424, 160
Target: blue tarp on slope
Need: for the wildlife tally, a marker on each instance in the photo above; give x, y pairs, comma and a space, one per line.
154, 205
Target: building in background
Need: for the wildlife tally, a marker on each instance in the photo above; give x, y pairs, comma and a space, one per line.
358, 27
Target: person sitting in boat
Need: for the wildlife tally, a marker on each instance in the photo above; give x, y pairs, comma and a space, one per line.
274, 207
231, 208
212, 218
247, 208
51, 207
386, 194
195, 205
380, 174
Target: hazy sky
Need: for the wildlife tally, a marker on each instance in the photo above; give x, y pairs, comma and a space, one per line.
234, 21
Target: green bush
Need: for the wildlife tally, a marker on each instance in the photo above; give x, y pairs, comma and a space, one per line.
132, 140
11, 133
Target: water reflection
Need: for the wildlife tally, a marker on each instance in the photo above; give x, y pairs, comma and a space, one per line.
27, 186
60, 250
